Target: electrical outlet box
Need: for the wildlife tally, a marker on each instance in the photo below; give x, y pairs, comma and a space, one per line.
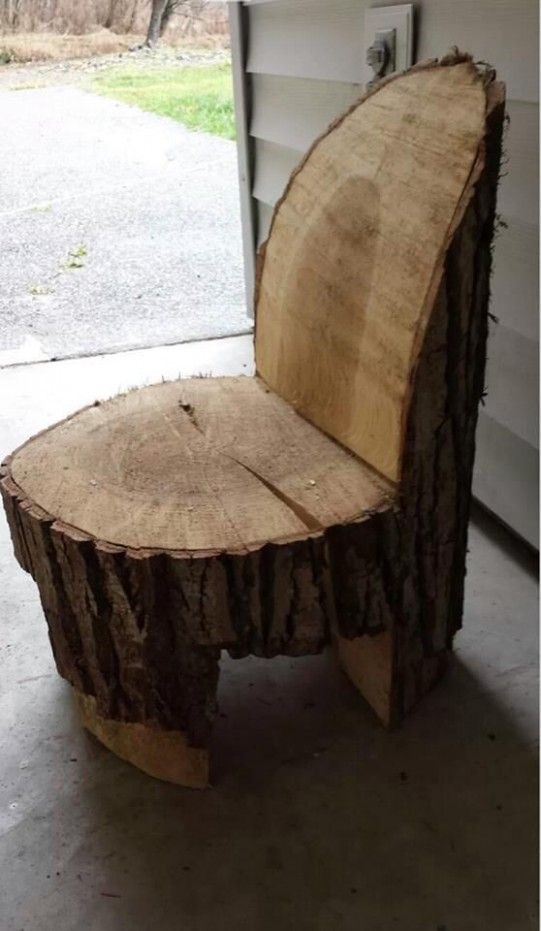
388, 34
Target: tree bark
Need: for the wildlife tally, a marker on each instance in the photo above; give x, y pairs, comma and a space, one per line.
170, 8
338, 552
154, 26
219, 541
110, 17
415, 565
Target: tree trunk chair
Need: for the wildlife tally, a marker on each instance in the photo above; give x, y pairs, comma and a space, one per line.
325, 499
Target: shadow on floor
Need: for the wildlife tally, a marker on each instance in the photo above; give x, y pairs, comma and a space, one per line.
320, 819
505, 539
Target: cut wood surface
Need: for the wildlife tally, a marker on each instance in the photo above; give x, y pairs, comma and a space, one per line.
200, 465
355, 256
166, 755
178, 520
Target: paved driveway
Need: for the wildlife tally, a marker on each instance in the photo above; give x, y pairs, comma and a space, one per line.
118, 228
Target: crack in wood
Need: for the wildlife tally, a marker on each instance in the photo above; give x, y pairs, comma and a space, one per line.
402, 571
309, 521
190, 411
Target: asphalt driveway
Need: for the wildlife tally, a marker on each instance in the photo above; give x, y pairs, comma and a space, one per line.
118, 228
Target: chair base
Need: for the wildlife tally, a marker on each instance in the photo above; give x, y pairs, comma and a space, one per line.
166, 755
389, 678
368, 663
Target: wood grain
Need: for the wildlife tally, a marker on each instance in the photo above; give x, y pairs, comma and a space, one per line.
180, 520
355, 256
201, 465
165, 755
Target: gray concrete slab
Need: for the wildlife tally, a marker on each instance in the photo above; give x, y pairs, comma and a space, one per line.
319, 819
153, 208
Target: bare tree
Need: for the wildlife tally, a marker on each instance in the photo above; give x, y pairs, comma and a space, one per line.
154, 26
161, 13
78, 16
170, 7
110, 15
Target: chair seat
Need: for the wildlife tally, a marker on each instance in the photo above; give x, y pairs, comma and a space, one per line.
177, 521
198, 465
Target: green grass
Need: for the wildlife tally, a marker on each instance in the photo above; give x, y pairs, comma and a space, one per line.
200, 97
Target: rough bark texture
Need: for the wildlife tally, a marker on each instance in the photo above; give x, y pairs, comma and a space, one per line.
155, 24
406, 571
170, 8
141, 632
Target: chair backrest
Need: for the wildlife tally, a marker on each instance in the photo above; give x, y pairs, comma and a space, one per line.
349, 274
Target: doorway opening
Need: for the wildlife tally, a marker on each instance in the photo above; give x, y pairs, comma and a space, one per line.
120, 222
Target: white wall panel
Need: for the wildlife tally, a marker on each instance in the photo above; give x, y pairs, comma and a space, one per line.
292, 112
308, 39
506, 477
273, 167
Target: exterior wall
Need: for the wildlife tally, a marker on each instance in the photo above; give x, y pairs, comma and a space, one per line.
302, 65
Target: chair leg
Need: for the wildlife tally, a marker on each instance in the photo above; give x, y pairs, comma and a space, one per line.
160, 720
368, 662
166, 755
390, 673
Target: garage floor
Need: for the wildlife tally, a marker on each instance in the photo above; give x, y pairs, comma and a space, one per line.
319, 819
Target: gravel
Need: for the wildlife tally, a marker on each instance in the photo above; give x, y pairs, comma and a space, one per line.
78, 70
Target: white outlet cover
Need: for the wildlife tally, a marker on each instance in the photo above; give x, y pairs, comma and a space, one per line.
400, 18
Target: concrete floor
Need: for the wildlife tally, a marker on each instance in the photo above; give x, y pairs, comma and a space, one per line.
319, 819
155, 208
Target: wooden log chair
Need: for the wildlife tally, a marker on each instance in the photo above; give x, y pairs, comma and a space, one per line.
326, 498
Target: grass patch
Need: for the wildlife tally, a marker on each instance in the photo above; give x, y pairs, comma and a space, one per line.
200, 97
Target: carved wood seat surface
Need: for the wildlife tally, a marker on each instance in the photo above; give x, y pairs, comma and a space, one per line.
328, 497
